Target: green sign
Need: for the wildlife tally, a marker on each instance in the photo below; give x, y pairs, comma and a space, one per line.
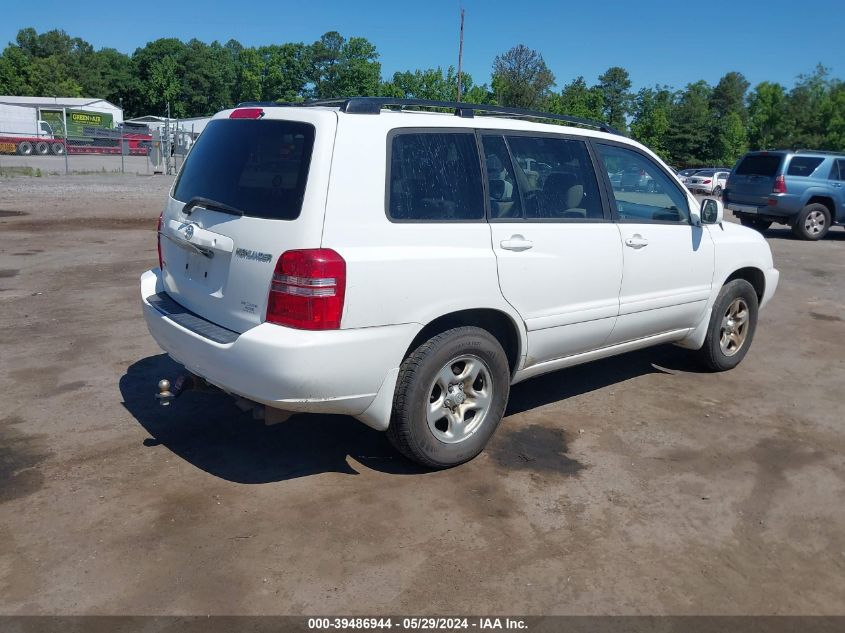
78, 120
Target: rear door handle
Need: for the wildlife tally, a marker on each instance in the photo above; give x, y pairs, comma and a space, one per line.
636, 241
516, 243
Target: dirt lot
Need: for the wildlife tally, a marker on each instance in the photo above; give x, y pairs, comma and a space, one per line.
632, 485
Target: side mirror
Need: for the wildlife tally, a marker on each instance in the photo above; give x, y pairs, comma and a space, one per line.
712, 211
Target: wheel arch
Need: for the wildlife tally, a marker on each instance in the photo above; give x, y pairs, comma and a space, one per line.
825, 201
498, 323
752, 275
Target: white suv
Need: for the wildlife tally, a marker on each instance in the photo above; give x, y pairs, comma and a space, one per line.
407, 267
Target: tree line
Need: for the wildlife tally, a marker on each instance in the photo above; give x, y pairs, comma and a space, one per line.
696, 125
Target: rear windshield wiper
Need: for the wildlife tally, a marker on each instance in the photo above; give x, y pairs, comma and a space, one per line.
211, 205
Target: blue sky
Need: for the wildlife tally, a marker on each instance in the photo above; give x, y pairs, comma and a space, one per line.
659, 42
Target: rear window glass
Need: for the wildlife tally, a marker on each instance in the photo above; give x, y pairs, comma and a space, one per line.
258, 167
759, 165
803, 165
435, 177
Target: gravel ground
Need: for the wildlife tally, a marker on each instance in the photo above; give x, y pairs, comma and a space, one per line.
631, 485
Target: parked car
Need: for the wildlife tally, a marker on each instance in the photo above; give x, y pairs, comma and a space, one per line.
615, 179
337, 259
802, 189
708, 182
686, 173
636, 179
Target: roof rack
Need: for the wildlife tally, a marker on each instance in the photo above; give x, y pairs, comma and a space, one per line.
374, 105
819, 151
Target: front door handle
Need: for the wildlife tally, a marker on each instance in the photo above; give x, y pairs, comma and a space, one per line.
516, 243
636, 241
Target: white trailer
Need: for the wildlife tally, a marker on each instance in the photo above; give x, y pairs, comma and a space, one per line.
23, 121
23, 132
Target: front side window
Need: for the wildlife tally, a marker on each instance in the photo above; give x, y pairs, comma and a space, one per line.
803, 165
435, 177
556, 177
645, 193
258, 167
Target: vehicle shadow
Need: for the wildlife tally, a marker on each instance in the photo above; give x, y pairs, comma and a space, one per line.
207, 430
599, 374
785, 233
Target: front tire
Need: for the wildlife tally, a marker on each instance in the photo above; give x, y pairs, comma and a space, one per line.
812, 223
733, 322
450, 397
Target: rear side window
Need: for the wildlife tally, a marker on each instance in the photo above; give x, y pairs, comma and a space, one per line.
435, 177
258, 167
759, 165
837, 172
555, 178
803, 165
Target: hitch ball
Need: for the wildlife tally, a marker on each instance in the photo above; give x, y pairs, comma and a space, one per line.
164, 394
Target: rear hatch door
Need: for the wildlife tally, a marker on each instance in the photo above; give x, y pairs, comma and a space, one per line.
753, 178
250, 189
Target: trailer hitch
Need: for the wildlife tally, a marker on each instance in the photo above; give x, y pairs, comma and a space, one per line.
168, 392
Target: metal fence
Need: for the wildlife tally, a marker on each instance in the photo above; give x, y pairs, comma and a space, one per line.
96, 150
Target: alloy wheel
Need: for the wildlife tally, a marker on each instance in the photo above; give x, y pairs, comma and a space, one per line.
734, 330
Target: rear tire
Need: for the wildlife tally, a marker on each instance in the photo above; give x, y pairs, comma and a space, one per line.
733, 322
58, 149
812, 223
717, 191
755, 223
42, 148
25, 148
450, 397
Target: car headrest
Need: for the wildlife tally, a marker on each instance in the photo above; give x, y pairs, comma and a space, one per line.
497, 188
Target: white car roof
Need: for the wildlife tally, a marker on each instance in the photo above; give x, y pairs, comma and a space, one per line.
388, 120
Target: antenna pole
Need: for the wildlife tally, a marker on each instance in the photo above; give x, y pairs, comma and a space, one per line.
460, 55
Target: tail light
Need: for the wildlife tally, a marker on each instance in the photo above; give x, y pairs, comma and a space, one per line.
308, 289
780, 185
158, 240
708, 181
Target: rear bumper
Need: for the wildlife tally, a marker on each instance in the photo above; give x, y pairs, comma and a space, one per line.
698, 187
337, 371
786, 206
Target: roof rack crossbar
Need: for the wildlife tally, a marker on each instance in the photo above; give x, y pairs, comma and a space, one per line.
374, 105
